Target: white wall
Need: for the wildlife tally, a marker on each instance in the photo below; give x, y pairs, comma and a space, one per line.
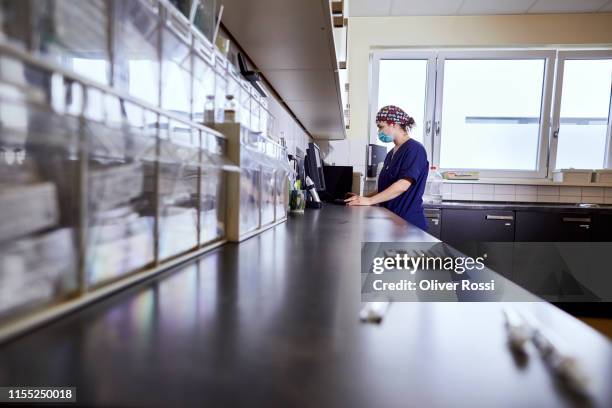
285, 126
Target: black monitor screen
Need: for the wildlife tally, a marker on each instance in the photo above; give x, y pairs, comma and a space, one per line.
317, 157
314, 166
338, 181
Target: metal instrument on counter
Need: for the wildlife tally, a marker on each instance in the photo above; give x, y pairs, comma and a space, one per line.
524, 328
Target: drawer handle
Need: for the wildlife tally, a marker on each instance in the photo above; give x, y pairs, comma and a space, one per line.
576, 219
500, 217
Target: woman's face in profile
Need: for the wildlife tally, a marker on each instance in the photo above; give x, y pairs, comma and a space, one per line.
386, 128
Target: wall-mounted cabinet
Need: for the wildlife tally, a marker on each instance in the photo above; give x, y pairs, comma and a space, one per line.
261, 188
136, 49
107, 173
176, 78
96, 187
120, 219
297, 56
39, 202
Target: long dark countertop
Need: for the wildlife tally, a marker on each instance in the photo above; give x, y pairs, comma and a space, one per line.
273, 321
548, 207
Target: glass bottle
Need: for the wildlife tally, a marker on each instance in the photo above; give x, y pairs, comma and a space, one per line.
435, 186
230, 109
209, 109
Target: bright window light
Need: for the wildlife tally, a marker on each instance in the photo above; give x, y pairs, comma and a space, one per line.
585, 105
491, 114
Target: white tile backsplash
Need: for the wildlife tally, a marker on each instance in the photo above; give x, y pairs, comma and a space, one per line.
593, 200
527, 198
483, 197
570, 191
527, 190
505, 189
569, 199
504, 197
527, 193
484, 189
462, 189
462, 197
548, 191
548, 199
593, 192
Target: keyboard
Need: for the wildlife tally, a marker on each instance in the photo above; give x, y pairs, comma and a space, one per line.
338, 201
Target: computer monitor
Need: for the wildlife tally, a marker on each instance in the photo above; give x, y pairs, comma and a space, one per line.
338, 181
299, 159
314, 166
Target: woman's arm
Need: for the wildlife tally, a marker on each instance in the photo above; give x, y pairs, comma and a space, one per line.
387, 194
370, 194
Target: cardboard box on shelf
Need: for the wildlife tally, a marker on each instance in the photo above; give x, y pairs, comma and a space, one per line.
572, 176
602, 176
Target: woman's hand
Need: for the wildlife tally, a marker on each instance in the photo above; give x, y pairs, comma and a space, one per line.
358, 200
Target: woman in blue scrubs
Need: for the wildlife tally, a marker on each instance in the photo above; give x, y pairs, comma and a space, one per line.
401, 182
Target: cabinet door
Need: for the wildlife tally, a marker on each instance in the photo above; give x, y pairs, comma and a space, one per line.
433, 219
478, 232
601, 232
602, 228
460, 225
540, 226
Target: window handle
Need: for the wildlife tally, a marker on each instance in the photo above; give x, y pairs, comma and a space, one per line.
555, 133
437, 127
428, 127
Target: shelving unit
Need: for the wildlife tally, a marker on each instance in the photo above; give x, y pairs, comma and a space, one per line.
107, 146
261, 189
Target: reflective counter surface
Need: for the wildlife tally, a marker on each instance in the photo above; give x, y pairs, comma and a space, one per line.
273, 321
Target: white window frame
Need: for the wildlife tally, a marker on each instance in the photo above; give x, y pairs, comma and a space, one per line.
563, 56
548, 56
430, 56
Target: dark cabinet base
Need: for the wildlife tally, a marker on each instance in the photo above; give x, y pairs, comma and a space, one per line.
532, 260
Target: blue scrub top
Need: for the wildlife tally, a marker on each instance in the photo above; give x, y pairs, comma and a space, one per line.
409, 162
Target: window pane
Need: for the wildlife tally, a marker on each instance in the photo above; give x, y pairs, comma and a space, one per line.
491, 114
403, 83
585, 105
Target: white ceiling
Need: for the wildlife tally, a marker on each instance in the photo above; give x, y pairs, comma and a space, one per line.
371, 8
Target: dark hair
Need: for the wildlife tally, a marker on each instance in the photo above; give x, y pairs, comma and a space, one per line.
408, 126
